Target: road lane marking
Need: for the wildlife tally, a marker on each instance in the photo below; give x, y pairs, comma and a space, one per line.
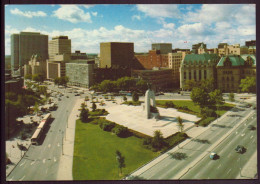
43, 161
219, 166
54, 159
236, 132
242, 134
58, 144
229, 171
251, 137
22, 164
46, 171
49, 145
22, 178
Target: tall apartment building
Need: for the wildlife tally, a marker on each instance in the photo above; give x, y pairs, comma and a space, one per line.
24, 45
164, 48
59, 54
116, 54
225, 49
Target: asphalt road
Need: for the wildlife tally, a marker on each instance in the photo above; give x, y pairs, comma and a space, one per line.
41, 162
229, 163
169, 167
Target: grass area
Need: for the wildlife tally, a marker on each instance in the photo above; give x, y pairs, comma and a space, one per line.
94, 153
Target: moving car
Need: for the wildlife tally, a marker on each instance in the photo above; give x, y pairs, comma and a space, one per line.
251, 127
240, 149
213, 155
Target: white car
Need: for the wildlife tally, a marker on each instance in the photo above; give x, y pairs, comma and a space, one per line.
213, 155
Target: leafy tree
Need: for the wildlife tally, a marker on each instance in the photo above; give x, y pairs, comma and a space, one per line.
28, 76
248, 85
158, 141
180, 123
64, 80
125, 98
57, 81
107, 86
36, 108
42, 90
142, 85
190, 84
135, 97
207, 112
83, 105
37, 78
208, 85
121, 131
216, 97
120, 160
231, 97
84, 115
200, 96
169, 104
94, 106
125, 83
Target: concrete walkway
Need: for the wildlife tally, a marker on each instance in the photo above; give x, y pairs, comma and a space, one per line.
66, 159
249, 171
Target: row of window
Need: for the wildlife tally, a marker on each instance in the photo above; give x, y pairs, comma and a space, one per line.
189, 77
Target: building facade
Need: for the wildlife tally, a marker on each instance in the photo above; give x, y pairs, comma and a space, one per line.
195, 47
80, 73
232, 49
174, 64
158, 78
164, 48
152, 59
232, 68
116, 54
24, 45
35, 66
59, 54
198, 67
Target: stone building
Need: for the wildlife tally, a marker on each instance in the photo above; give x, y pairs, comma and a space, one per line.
35, 66
232, 68
24, 45
198, 67
164, 48
235, 49
116, 54
195, 47
80, 73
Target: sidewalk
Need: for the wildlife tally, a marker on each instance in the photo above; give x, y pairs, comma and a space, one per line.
192, 133
66, 159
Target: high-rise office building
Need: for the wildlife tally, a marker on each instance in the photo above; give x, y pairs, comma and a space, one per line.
24, 45
59, 45
115, 54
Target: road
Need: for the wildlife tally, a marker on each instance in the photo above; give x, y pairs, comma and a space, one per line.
229, 164
169, 167
41, 162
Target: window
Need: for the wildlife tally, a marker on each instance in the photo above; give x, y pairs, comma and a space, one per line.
199, 74
227, 78
205, 74
190, 75
232, 79
184, 75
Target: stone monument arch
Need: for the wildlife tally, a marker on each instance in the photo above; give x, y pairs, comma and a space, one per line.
150, 103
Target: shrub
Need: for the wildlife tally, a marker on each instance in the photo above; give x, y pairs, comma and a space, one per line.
7, 159
206, 112
147, 141
153, 109
204, 122
169, 104
94, 106
121, 131
23, 136
84, 115
135, 97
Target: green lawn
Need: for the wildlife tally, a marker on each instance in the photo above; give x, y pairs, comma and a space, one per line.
94, 153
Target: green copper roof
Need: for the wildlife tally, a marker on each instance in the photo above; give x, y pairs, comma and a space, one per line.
253, 58
200, 57
234, 59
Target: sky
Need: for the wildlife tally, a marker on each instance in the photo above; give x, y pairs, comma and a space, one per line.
143, 24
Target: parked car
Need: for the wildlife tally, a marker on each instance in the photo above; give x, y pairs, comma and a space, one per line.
240, 149
213, 156
251, 127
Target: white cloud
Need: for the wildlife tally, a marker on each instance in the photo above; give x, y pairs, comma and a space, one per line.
72, 13
94, 13
137, 17
28, 14
88, 6
160, 10
169, 25
196, 29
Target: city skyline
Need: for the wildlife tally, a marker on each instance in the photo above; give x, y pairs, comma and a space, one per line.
88, 25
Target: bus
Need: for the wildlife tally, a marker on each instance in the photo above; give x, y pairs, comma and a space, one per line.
40, 128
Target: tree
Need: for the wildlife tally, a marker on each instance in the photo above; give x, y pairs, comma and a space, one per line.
120, 160
42, 90
200, 96
248, 85
64, 80
231, 97
36, 108
84, 115
125, 83
142, 85
216, 97
190, 84
83, 105
107, 86
158, 141
125, 98
28, 76
208, 85
180, 124
135, 97
38, 78
94, 106
57, 81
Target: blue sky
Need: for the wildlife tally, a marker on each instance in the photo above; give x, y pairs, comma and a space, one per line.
181, 25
